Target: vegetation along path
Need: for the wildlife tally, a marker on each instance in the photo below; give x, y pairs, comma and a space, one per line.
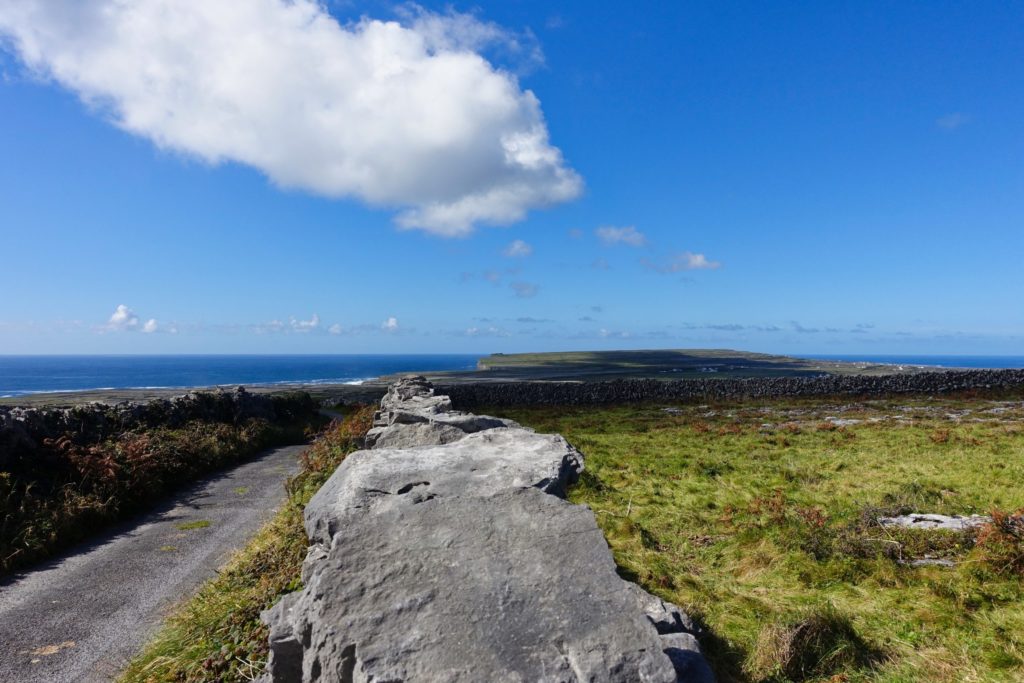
81, 617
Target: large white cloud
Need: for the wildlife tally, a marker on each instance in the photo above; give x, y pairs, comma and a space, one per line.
408, 116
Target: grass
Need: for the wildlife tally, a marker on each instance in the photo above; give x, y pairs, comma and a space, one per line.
760, 519
217, 635
190, 526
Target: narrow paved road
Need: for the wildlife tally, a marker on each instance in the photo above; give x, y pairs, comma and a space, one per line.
82, 617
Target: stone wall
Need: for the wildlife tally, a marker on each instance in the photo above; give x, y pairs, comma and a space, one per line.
22, 430
447, 552
471, 395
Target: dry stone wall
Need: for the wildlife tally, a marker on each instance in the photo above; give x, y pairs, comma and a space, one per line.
472, 394
23, 430
447, 552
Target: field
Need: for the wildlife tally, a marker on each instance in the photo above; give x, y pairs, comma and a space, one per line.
761, 520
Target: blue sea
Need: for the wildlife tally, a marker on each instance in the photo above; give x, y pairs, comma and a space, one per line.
976, 362
20, 375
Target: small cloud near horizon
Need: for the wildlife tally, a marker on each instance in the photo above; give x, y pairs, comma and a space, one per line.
628, 235
125, 319
683, 261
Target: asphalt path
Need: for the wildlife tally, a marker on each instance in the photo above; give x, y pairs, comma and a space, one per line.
83, 616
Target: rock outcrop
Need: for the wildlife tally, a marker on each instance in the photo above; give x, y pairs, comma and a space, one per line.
456, 558
932, 521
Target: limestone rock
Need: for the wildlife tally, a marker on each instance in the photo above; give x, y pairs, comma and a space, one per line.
412, 415
519, 586
684, 652
928, 521
666, 617
478, 465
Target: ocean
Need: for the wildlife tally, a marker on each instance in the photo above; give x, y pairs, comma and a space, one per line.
20, 375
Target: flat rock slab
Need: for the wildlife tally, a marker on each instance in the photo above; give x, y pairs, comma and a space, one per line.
519, 586
479, 464
80, 618
942, 522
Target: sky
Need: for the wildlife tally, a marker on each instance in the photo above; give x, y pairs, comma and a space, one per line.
187, 176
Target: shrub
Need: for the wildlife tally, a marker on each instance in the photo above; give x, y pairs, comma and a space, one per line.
1000, 543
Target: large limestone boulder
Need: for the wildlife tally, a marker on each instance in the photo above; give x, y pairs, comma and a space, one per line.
479, 464
519, 586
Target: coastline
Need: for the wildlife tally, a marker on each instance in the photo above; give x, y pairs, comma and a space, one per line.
559, 367
319, 391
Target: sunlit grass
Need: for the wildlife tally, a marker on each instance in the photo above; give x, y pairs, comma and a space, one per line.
758, 518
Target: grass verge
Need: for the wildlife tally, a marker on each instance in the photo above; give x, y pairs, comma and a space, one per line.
217, 635
761, 519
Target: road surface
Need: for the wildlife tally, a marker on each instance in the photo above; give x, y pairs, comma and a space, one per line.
80, 618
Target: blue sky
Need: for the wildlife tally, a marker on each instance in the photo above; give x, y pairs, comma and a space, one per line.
784, 177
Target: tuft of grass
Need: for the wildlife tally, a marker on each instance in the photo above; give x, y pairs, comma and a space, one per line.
754, 515
819, 643
196, 524
216, 635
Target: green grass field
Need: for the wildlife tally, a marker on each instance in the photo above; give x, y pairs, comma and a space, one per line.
760, 519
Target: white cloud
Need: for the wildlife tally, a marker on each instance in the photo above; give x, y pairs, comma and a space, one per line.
400, 115
150, 327
305, 325
123, 319
335, 329
686, 260
524, 290
629, 235
518, 249
390, 325
952, 121
490, 331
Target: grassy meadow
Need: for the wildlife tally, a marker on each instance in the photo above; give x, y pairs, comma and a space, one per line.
760, 519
